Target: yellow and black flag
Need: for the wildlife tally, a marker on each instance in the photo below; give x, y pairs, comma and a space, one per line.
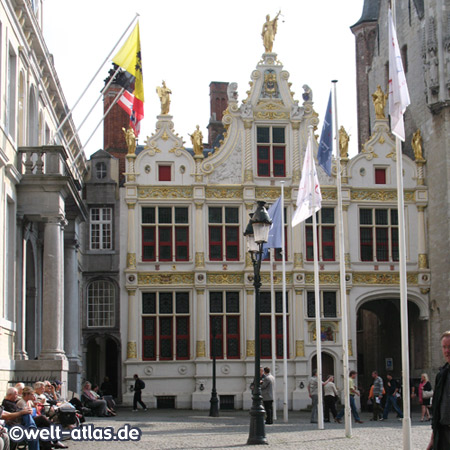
129, 58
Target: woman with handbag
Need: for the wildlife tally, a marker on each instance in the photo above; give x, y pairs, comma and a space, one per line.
425, 395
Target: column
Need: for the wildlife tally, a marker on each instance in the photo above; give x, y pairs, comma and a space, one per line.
52, 308
72, 326
199, 237
248, 156
131, 252
296, 170
299, 324
421, 246
346, 240
132, 325
200, 347
20, 352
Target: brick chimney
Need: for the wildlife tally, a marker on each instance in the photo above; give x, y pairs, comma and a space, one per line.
218, 104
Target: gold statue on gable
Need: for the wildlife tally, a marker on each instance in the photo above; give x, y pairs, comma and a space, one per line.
197, 141
379, 102
269, 31
130, 139
343, 142
164, 97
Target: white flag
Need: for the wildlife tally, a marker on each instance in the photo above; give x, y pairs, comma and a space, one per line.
398, 90
307, 195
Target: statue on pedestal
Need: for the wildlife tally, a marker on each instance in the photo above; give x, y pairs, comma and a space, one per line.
164, 96
197, 141
379, 102
343, 142
130, 139
417, 146
269, 31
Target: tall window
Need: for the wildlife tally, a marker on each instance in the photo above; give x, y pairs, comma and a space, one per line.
326, 232
271, 151
100, 304
266, 324
378, 230
165, 326
328, 305
223, 228
101, 229
11, 95
100, 170
165, 233
224, 319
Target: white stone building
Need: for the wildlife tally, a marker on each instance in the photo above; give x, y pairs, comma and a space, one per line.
186, 264
40, 208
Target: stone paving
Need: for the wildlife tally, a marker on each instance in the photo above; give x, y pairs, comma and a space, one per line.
182, 429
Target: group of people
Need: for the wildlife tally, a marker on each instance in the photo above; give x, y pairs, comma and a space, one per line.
32, 407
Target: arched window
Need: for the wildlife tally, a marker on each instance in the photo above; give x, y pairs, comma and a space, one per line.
32, 119
101, 304
21, 119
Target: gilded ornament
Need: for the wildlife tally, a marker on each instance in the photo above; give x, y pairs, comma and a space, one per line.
131, 260
423, 261
250, 348
224, 192
324, 278
248, 175
200, 349
268, 193
300, 348
382, 140
165, 136
199, 259
165, 192
350, 348
225, 278
131, 205
379, 102
165, 278
383, 278
298, 260
131, 350
269, 115
329, 194
385, 195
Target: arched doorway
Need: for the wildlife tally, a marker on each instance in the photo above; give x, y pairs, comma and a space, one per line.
103, 360
379, 339
327, 365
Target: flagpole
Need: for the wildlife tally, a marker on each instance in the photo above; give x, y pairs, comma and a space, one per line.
406, 423
92, 80
344, 317
283, 299
320, 423
274, 333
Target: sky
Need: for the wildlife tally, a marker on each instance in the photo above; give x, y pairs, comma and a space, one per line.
191, 43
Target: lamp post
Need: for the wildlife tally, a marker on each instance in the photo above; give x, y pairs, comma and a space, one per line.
214, 407
257, 233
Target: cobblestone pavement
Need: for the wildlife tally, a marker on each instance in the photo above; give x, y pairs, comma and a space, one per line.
181, 429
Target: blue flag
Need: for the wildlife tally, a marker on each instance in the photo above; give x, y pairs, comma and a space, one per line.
326, 141
274, 240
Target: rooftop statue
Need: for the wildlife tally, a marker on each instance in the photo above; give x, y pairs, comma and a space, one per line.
197, 141
269, 31
417, 146
379, 102
164, 96
130, 139
343, 142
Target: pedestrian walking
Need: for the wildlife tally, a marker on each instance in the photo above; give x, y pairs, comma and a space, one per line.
391, 397
353, 391
313, 395
330, 396
440, 437
139, 385
267, 394
377, 396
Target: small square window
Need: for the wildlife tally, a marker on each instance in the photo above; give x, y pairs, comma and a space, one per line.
380, 175
164, 172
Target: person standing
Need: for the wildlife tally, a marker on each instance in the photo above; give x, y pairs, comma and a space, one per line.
313, 395
440, 436
267, 394
353, 391
424, 386
391, 397
377, 396
330, 394
139, 385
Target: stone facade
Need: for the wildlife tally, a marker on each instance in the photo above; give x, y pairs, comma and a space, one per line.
424, 37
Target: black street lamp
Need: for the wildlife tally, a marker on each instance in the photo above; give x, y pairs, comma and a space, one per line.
214, 407
257, 233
